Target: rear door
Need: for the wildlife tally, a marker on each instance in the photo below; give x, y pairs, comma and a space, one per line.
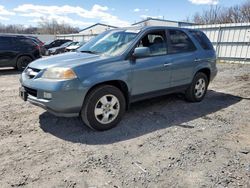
183, 57
7, 51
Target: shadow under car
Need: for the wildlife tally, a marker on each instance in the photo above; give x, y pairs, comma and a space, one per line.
143, 117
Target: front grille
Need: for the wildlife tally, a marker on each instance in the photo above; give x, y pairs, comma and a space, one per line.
30, 91
31, 72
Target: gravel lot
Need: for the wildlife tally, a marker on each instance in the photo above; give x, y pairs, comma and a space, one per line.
162, 142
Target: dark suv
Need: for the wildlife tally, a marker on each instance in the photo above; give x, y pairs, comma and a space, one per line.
56, 43
17, 51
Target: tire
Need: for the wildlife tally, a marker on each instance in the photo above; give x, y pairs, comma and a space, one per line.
198, 88
98, 112
23, 62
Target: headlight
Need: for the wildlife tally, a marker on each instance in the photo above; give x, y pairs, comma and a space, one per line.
59, 73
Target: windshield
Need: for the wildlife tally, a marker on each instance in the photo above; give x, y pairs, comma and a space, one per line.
73, 44
111, 43
66, 44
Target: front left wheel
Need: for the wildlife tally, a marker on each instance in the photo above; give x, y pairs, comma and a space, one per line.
103, 107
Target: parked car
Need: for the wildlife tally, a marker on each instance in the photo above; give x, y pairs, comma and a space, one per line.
75, 45
56, 43
17, 51
40, 43
58, 50
119, 67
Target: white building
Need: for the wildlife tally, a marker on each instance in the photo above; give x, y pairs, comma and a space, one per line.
87, 33
161, 22
96, 29
93, 30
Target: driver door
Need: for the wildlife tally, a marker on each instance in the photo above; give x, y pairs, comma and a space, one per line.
152, 73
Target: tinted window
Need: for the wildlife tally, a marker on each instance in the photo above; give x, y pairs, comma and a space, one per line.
6, 43
156, 42
25, 41
202, 39
180, 42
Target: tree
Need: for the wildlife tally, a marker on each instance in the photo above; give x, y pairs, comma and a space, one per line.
44, 27
218, 15
53, 27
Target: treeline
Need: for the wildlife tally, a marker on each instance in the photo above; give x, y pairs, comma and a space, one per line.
219, 14
44, 27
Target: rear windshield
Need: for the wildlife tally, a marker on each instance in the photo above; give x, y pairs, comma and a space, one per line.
202, 39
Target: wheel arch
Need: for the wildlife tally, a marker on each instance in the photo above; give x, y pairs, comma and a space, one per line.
24, 55
120, 84
206, 71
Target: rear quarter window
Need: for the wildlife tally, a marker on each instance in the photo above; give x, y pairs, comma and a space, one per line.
202, 40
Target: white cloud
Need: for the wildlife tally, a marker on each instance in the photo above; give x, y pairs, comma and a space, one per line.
205, 2
3, 18
148, 16
4, 14
140, 10
63, 13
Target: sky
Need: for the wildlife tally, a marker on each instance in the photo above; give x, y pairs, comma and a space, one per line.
83, 13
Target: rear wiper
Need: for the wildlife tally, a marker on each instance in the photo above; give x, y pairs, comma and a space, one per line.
89, 51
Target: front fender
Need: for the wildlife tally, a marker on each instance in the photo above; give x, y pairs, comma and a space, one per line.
105, 77
102, 72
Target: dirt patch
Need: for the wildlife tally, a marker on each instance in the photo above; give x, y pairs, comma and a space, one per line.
162, 142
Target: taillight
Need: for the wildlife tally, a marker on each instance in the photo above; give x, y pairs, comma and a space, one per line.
37, 47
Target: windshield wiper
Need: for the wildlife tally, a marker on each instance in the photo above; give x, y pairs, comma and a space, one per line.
89, 52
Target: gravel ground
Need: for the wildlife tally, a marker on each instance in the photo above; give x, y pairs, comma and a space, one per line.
162, 142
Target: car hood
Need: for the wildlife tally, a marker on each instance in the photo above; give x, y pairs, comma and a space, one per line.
54, 49
72, 47
70, 59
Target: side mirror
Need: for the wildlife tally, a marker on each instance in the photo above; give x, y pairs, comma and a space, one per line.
141, 52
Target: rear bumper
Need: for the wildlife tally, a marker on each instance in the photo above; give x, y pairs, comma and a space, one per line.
213, 74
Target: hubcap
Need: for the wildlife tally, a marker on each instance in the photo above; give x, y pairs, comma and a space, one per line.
200, 88
25, 63
107, 109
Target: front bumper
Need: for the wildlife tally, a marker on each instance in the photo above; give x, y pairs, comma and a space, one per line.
66, 96
43, 105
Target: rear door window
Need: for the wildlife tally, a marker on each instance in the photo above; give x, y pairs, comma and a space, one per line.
202, 40
6, 43
180, 42
26, 42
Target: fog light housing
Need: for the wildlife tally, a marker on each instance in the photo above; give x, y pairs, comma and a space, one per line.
47, 95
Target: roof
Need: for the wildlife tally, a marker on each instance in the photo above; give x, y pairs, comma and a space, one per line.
144, 28
157, 19
96, 25
13, 35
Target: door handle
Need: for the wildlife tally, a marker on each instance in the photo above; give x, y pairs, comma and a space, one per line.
167, 64
197, 60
